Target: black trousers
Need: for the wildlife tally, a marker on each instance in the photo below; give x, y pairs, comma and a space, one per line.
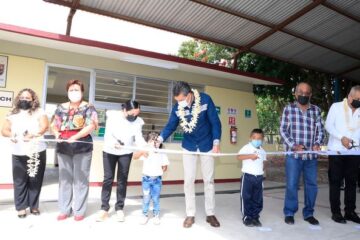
343, 167
110, 161
27, 189
251, 196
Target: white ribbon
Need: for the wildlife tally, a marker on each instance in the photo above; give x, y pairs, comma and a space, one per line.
169, 151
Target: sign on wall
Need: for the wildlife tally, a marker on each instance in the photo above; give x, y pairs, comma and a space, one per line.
6, 99
3, 70
247, 113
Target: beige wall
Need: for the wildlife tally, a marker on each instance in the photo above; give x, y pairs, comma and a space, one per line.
23, 72
29, 71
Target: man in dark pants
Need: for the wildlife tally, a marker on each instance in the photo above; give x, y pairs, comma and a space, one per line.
343, 125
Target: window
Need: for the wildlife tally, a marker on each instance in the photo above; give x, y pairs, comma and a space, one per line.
57, 77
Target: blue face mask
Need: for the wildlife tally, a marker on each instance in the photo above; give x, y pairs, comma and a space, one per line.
256, 143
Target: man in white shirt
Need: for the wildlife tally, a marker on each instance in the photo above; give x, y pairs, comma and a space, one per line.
343, 126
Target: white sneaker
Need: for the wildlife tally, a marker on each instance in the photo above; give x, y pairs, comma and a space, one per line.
156, 220
144, 219
102, 216
120, 216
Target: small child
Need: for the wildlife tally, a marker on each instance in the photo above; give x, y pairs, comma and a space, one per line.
252, 155
154, 165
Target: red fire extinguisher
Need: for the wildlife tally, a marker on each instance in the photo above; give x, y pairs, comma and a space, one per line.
233, 135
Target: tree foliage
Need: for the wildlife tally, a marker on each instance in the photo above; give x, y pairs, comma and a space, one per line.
270, 99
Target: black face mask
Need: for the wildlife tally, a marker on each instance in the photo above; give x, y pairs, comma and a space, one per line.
24, 104
131, 118
355, 103
303, 100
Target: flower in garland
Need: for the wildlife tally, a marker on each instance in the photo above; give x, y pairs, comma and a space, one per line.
188, 127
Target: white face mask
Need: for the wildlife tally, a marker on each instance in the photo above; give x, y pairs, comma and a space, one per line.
74, 96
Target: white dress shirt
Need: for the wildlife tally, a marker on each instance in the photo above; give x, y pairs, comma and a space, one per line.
119, 128
338, 127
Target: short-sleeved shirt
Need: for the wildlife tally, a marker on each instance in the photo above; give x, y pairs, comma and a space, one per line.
152, 165
66, 119
72, 120
23, 122
254, 167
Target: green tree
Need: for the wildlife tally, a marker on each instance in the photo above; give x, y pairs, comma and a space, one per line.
270, 99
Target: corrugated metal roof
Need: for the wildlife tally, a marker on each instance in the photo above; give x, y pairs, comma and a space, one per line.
315, 34
351, 6
274, 11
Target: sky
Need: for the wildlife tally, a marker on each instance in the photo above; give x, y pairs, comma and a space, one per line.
41, 15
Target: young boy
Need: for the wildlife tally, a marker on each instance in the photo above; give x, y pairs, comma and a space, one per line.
154, 165
252, 155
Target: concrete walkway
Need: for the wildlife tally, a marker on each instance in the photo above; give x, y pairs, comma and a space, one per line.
172, 204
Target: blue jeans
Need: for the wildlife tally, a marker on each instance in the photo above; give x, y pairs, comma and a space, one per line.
151, 187
294, 167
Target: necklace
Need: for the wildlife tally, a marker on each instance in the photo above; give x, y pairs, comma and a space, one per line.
188, 127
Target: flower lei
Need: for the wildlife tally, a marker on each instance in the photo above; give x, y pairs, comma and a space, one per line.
33, 162
188, 127
347, 120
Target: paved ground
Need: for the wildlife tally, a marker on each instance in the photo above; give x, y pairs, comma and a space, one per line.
172, 204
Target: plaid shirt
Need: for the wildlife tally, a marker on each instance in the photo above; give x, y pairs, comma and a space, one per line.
306, 129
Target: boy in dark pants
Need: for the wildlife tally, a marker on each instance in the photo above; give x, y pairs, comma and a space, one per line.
252, 155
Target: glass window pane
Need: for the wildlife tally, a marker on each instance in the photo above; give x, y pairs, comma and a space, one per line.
113, 87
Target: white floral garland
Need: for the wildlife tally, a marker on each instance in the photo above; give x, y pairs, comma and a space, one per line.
188, 127
33, 162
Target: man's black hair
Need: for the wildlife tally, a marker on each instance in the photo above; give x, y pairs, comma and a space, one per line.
181, 87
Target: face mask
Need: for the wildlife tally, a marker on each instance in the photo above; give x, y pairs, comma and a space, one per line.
183, 103
24, 104
131, 118
355, 103
74, 96
303, 100
256, 143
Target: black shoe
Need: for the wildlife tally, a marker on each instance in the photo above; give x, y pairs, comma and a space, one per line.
352, 217
289, 220
337, 217
312, 220
256, 222
248, 222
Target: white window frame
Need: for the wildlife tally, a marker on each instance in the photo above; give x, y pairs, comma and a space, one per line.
91, 83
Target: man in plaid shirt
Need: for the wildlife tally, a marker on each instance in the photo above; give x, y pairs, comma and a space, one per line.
301, 130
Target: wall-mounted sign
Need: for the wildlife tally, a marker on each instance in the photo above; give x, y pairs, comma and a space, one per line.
3, 70
247, 113
218, 110
231, 111
6, 99
178, 136
232, 121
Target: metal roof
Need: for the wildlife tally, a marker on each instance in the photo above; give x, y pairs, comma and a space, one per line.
317, 34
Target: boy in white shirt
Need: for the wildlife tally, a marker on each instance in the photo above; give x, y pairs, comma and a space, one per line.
154, 165
253, 156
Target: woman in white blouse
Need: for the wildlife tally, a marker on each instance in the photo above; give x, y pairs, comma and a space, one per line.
25, 122
123, 127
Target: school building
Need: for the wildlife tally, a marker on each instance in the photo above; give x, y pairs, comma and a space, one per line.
113, 74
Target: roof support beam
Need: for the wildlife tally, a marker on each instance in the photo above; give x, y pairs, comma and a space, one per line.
281, 25
273, 26
341, 11
74, 5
